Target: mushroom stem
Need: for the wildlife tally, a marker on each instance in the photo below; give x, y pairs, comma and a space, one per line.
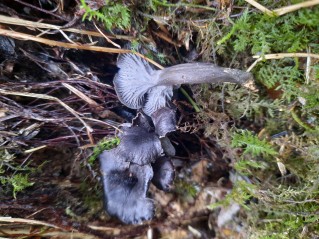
197, 73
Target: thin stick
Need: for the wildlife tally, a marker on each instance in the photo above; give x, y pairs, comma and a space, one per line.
284, 55
104, 122
294, 7
107, 38
260, 7
28, 221
34, 149
48, 97
81, 95
196, 108
280, 56
253, 65
283, 10
308, 64
66, 37
149, 60
23, 36
26, 23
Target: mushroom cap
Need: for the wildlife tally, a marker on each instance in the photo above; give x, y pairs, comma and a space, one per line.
139, 146
167, 146
164, 120
133, 80
164, 173
125, 188
142, 120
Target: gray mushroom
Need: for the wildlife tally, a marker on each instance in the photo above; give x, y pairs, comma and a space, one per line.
139, 146
139, 86
164, 120
125, 188
164, 173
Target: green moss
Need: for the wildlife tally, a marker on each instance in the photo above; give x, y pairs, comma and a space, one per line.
13, 177
185, 189
263, 34
252, 144
112, 14
104, 144
275, 204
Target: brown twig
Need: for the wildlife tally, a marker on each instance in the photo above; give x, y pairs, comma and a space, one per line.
25, 23
23, 36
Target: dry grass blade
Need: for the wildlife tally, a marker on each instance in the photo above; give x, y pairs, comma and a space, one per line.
47, 97
106, 37
25, 233
80, 94
31, 24
34, 149
284, 55
260, 7
280, 56
284, 10
27, 221
23, 36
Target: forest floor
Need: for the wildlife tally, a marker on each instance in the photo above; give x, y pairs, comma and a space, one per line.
246, 162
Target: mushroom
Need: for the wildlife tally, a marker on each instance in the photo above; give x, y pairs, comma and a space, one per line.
138, 145
164, 120
125, 188
139, 86
164, 173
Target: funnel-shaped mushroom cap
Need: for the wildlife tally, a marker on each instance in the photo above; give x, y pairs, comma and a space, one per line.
164, 120
125, 188
133, 80
139, 146
164, 173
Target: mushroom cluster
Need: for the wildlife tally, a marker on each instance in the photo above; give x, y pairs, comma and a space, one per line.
145, 151
128, 169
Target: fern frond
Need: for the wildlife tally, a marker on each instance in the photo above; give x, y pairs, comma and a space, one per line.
252, 144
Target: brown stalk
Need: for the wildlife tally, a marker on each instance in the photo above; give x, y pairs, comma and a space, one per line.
23, 36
